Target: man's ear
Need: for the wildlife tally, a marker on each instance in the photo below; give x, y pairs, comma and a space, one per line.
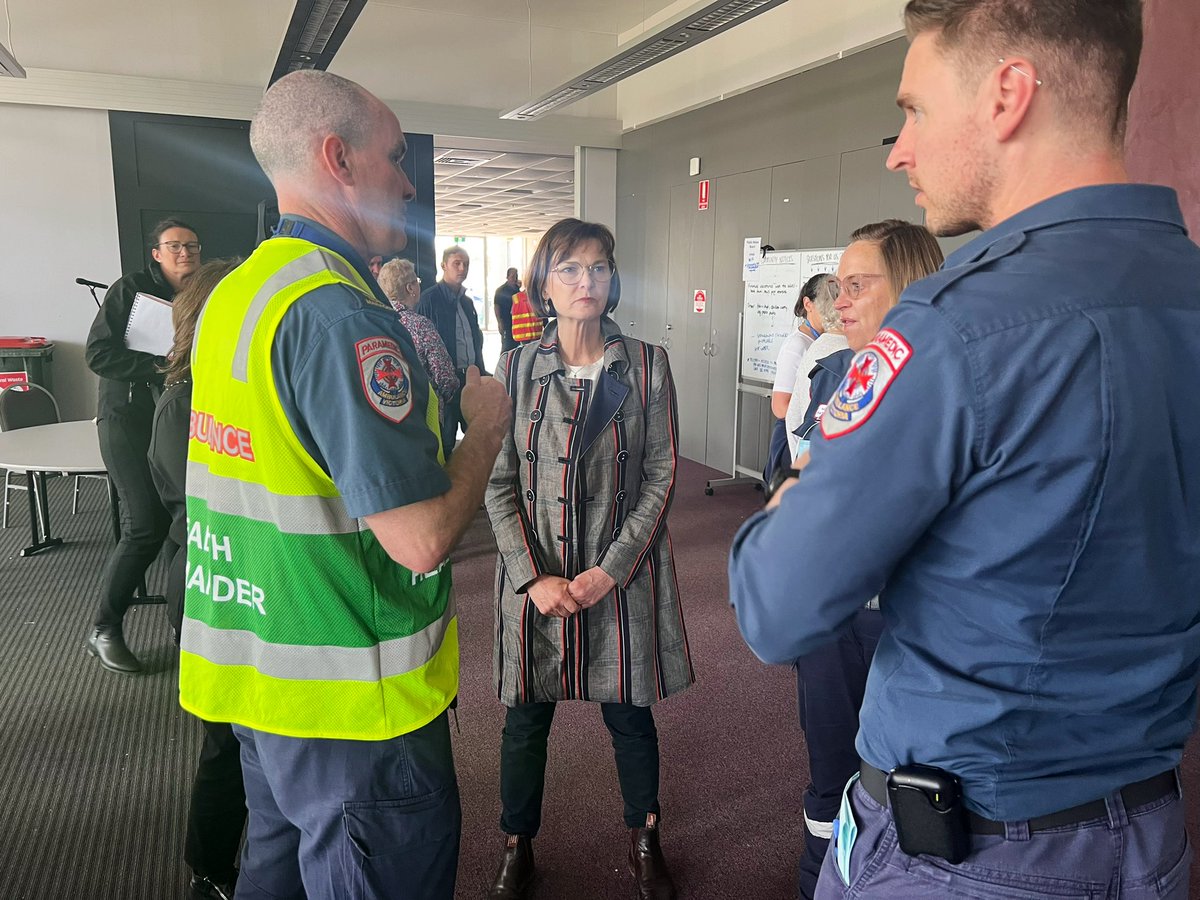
1012, 88
335, 160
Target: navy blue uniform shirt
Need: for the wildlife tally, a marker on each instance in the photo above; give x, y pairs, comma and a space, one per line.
323, 344
1015, 465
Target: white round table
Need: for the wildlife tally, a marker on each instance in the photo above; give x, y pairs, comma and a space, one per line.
69, 447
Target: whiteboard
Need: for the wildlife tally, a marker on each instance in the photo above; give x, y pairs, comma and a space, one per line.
770, 297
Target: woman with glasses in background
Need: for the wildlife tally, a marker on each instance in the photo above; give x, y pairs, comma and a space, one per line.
882, 260
587, 605
399, 282
130, 382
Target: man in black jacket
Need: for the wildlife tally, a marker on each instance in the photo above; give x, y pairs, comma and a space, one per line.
502, 302
447, 305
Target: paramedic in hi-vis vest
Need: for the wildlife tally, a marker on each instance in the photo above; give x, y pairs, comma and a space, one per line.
319, 612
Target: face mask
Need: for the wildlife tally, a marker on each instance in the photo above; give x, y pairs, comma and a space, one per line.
845, 832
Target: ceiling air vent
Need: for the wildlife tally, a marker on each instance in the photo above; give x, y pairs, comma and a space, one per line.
698, 25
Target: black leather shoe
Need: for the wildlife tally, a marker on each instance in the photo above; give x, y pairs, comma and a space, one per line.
206, 889
646, 863
108, 646
514, 878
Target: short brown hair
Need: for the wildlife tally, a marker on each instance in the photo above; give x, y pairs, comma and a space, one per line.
185, 312
1087, 51
910, 252
556, 245
454, 250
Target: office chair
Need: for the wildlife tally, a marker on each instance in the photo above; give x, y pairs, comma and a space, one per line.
24, 406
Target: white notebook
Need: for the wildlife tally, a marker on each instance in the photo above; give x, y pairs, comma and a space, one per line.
150, 329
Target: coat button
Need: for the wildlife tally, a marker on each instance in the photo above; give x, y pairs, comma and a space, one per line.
619, 417
620, 496
622, 456
535, 416
616, 533
531, 456
545, 379
530, 496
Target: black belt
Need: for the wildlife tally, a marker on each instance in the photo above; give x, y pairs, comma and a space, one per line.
874, 782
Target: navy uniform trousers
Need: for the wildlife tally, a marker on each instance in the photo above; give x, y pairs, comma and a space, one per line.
831, 682
350, 820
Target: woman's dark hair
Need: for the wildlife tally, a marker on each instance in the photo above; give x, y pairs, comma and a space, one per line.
165, 225
185, 312
555, 246
809, 291
910, 252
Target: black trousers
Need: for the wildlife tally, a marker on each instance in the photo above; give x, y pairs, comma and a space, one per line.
217, 814
523, 763
831, 682
124, 441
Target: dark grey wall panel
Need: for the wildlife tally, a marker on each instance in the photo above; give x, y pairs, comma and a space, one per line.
742, 207
203, 171
690, 268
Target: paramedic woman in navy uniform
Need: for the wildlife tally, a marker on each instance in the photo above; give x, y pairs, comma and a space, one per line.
130, 382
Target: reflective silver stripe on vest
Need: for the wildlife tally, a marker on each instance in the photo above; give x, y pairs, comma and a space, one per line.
291, 515
226, 647
309, 264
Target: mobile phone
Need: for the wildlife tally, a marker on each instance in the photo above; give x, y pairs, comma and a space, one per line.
928, 811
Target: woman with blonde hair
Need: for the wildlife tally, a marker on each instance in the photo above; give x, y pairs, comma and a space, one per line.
882, 260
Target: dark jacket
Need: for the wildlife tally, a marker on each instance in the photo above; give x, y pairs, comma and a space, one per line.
129, 379
168, 454
437, 305
503, 303
168, 467
825, 377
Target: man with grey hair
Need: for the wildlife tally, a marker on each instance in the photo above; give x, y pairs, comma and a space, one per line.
447, 305
319, 615
1014, 460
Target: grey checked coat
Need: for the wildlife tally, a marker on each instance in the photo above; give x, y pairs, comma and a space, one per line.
586, 478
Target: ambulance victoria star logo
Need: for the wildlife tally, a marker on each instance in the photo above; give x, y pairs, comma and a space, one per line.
858, 387
868, 379
386, 379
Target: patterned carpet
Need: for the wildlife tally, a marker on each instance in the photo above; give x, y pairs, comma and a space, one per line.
95, 767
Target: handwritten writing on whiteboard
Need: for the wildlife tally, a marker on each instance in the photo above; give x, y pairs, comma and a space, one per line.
767, 307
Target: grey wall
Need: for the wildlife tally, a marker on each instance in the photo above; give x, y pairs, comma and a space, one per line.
815, 139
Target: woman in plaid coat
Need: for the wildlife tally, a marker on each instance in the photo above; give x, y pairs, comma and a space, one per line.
587, 604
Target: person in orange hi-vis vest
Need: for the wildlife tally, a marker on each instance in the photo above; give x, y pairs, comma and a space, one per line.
526, 324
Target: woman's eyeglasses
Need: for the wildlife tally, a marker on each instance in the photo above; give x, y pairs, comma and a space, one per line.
177, 247
852, 285
570, 273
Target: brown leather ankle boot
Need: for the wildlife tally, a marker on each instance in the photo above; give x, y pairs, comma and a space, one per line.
646, 862
514, 878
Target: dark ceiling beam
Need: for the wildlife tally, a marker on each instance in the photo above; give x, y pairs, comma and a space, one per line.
315, 34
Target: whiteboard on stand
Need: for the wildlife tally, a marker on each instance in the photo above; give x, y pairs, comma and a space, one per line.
769, 301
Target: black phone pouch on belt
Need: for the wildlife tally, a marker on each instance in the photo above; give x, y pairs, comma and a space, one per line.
927, 808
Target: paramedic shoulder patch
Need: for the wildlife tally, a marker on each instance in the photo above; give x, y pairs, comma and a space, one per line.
871, 374
386, 378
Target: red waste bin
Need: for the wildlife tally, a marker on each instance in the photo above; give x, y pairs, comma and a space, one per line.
26, 360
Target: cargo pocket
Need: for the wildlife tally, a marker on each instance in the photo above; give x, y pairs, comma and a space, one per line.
405, 848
